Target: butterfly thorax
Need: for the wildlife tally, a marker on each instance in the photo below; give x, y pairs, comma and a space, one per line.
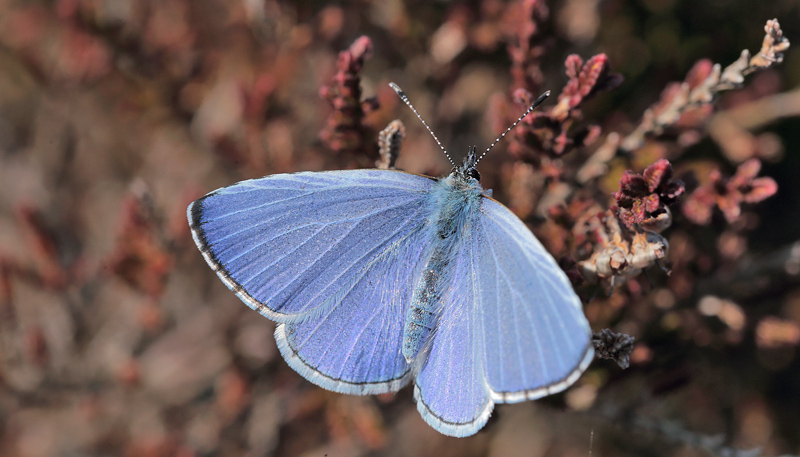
455, 203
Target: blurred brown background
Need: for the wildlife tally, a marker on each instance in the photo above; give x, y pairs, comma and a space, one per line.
117, 339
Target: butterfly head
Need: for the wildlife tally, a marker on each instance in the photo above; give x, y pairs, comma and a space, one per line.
467, 173
468, 170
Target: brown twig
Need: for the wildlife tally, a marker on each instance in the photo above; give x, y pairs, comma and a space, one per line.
699, 90
345, 130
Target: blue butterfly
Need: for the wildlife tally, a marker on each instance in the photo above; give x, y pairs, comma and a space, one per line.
377, 278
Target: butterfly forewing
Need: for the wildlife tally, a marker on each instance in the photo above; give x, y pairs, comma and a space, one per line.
290, 245
536, 340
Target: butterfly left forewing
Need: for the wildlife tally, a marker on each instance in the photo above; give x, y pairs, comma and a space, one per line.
289, 244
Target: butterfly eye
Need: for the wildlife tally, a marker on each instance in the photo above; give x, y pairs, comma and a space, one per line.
474, 173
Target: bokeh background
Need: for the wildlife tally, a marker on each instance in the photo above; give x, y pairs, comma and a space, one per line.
117, 339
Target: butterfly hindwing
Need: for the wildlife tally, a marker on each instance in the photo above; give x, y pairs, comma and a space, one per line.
451, 391
354, 347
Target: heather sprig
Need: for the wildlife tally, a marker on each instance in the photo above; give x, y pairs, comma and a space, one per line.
642, 197
345, 130
728, 194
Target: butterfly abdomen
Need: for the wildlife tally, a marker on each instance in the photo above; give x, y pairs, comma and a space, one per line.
457, 204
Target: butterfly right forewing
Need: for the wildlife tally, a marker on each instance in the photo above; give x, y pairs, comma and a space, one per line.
536, 340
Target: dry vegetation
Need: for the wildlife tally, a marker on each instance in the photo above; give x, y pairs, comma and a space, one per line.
116, 339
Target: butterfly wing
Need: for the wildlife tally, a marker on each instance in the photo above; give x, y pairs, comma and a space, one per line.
451, 390
354, 348
536, 340
511, 328
286, 244
331, 257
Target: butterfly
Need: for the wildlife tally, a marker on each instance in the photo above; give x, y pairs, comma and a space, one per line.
377, 278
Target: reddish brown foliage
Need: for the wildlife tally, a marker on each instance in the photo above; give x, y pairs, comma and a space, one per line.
728, 194
645, 196
345, 131
553, 131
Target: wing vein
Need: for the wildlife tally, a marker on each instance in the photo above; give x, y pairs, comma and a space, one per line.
355, 262
317, 259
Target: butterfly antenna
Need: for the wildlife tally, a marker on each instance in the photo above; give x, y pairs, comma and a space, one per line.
403, 97
536, 103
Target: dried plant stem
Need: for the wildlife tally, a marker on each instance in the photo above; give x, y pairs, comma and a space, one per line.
753, 277
764, 111
687, 97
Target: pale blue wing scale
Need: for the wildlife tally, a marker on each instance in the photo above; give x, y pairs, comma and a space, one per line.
289, 244
354, 347
536, 339
511, 328
451, 390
